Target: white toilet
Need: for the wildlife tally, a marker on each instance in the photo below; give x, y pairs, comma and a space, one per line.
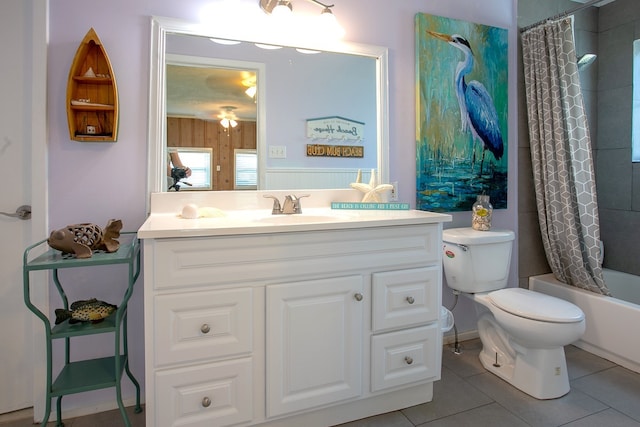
523, 332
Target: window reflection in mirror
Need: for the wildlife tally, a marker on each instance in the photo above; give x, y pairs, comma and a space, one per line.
245, 169
200, 161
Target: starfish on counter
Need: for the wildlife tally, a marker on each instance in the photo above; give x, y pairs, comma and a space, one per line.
372, 191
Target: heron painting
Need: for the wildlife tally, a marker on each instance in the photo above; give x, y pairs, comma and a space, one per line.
461, 113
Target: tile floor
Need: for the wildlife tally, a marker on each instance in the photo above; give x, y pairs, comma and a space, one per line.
602, 394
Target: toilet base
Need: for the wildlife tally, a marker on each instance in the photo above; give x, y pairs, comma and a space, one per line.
541, 373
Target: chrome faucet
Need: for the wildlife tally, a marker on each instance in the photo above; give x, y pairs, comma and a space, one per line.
291, 204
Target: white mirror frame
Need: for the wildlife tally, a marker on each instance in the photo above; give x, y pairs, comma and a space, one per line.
157, 130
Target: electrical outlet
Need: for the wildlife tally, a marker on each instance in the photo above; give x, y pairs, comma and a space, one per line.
393, 197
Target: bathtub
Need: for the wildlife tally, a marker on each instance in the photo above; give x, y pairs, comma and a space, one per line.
612, 323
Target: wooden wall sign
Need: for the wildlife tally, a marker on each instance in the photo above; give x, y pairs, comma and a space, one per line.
335, 127
321, 150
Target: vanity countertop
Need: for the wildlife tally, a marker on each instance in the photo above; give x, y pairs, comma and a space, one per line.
251, 214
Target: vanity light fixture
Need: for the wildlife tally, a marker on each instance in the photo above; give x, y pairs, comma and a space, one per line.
284, 9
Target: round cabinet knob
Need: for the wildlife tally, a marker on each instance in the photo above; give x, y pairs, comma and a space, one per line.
358, 296
409, 360
410, 300
206, 402
205, 328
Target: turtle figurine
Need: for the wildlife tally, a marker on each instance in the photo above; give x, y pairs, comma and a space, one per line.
83, 239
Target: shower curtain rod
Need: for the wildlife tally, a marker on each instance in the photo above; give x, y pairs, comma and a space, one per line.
561, 15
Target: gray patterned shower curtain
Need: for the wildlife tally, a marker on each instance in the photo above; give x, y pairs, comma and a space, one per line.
561, 156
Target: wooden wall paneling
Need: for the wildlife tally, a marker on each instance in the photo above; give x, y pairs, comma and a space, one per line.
212, 140
225, 180
236, 137
173, 132
198, 133
186, 132
249, 135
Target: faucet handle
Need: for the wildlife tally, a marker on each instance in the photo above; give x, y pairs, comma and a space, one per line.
276, 204
297, 204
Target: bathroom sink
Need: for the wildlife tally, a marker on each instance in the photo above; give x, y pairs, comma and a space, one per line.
302, 219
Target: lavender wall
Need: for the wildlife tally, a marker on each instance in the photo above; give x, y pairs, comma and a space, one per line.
95, 182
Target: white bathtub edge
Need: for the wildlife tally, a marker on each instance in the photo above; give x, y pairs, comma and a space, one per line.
608, 336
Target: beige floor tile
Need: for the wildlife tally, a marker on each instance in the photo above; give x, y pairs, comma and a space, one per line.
543, 413
617, 387
581, 363
392, 419
451, 395
489, 415
466, 363
609, 418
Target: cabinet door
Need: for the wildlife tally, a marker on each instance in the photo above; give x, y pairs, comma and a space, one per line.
314, 343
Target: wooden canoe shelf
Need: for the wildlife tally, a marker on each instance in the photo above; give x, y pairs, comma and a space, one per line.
92, 94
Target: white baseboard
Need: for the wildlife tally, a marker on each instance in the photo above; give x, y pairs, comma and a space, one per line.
449, 338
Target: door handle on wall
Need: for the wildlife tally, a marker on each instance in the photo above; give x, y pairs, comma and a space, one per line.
23, 212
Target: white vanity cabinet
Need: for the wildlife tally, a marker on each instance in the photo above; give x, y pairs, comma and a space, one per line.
290, 327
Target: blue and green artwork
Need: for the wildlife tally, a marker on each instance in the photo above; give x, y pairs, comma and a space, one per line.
462, 111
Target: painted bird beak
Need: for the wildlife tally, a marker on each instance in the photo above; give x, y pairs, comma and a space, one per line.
440, 36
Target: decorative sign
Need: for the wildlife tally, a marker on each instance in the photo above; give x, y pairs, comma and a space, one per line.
320, 150
370, 206
335, 127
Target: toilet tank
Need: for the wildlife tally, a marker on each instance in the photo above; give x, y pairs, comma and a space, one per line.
476, 261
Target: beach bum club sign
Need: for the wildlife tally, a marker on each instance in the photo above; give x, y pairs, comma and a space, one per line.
321, 150
335, 127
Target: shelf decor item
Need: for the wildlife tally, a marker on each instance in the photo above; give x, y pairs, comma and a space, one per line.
372, 191
83, 239
90, 310
481, 214
92, 94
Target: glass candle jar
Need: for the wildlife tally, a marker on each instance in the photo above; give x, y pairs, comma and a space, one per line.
481, 215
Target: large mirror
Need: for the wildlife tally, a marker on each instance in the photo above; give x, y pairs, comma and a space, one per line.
292, 107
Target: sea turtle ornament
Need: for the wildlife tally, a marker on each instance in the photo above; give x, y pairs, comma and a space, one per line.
83, 239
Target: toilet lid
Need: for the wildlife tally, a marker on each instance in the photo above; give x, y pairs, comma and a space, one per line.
535, 306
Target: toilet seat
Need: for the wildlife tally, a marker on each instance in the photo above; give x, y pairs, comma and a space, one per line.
535, 306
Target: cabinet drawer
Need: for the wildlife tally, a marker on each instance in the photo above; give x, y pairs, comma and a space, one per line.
404, 357
279, 257
214, 394
406, 297
203, 325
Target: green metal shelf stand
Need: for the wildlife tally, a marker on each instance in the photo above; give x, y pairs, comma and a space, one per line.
92, 374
